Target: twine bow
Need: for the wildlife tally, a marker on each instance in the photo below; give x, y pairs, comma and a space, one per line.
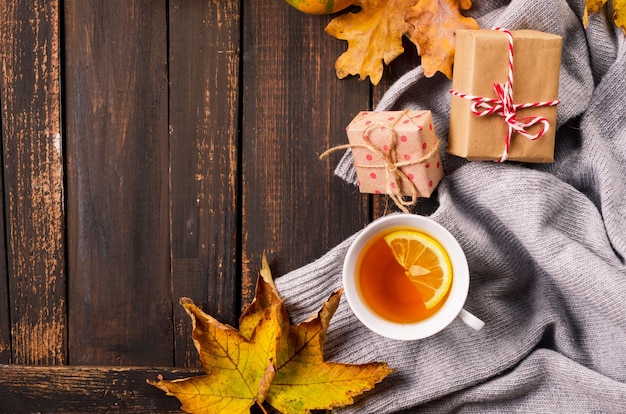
390, 164
504, 106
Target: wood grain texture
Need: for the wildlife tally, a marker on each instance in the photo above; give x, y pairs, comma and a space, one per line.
33, 178
204, 115
120, 307
5, 323
82, 389
294, 108
191, 146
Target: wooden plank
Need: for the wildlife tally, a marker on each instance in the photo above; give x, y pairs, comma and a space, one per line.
72, 389
5, 323
294, 108
102, 389
204, 110
120, 309
33, 178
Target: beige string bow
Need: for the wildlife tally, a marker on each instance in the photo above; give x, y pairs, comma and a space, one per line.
393, 168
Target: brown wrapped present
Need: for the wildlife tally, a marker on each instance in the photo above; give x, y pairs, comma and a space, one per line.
396, 153
505, 89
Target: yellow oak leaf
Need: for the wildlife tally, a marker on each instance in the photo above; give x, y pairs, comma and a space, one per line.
619, 14
269, 360
239, 371
374, 36
433, 27
619, 11
594, 6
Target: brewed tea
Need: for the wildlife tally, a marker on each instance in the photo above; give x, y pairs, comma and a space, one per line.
385, 287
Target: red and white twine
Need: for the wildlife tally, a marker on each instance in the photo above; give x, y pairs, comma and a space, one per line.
504, 106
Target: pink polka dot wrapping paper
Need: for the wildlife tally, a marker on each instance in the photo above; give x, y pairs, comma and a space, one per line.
385, 141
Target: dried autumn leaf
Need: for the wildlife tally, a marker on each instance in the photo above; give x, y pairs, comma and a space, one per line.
433, 27
242, 365
620, 14
619, 11
305, 382
265, 296
374, 36
594, 6
239, 371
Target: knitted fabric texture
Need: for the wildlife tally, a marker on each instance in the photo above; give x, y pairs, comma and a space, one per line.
546, 245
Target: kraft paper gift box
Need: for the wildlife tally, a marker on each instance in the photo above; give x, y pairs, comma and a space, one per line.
395, 152
482, 61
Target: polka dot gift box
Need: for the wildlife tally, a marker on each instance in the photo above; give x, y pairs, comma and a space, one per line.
395, 153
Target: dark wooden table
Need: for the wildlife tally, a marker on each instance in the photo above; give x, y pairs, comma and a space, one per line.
153, 149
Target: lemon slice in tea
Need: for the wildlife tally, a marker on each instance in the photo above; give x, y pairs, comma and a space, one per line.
425, 262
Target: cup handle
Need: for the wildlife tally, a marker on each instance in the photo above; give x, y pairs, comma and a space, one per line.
471, 320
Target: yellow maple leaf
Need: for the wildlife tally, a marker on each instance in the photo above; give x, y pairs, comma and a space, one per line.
434, 24
305, 382
374, 36
239, 371
268, 360
265, 297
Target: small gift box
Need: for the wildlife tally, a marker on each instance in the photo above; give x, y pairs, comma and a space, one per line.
395, 153
504, 95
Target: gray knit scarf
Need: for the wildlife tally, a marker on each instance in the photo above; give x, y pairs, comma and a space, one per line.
546, 245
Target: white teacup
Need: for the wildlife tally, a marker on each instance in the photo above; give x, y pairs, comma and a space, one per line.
451, 309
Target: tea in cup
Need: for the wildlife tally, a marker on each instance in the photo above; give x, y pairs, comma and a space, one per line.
406, 277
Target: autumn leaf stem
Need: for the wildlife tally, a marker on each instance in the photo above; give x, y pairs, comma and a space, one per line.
261, 407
